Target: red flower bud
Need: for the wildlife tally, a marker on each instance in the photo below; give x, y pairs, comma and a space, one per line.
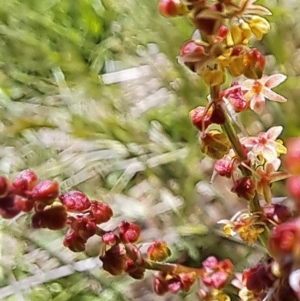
24, 181
192, 54
8, 208
109, 238
74, 242
129, 232
100, 211
196, 116
75, 201
244, 188
3, 186
158, 251
53, 218
24, 204
45, 191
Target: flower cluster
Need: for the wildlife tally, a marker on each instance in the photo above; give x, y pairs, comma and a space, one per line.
220, 47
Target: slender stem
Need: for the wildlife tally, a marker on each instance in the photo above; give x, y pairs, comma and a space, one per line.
171, 268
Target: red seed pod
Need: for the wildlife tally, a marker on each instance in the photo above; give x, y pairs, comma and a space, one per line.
8, 208
244, 188
158, 251
109, 238
129, 232
45, 191
24, 182
4, 186
100, 211
75, 201
74, 242
53, 218
114, 260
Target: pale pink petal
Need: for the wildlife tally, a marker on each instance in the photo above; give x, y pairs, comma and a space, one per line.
247, 84
273, 132
269, 153
257, 103
274, 80
272, 95
275, 163
249, 141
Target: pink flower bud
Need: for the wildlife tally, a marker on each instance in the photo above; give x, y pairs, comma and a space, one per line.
129, 232
224, 167
109, 238
75, 201
199, 120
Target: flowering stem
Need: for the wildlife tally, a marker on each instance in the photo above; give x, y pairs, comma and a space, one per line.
236, 145
171, 268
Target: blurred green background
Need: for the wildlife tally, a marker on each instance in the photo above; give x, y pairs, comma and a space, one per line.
91, 95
